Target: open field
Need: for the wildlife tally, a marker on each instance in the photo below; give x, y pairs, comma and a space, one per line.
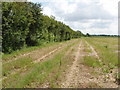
88, 62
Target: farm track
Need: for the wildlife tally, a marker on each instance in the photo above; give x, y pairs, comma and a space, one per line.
43, 57
78, 75
71, 78
93, 52
106, 80
46, 84
24, 55
39, 59
14, 59
23, 69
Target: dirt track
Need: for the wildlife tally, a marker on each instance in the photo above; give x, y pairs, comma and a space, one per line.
37, 56
78, 75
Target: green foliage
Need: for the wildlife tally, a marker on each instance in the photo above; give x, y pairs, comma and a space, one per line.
24, 25
88, 35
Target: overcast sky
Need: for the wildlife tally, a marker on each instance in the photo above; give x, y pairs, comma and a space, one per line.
88, 16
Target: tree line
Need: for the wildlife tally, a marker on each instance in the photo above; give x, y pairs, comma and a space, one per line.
24, 24
101, 35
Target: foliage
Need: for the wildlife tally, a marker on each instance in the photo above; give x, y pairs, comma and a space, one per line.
24, 25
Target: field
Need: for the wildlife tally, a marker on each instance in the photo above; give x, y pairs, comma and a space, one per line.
87, 62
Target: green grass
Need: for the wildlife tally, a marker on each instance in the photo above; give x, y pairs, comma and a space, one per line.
53, 69
87, 49
6, 57
91, 61
37, 72
17, 64
105, 48
66, 59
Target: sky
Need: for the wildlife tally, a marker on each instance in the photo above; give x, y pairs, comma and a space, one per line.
88, 16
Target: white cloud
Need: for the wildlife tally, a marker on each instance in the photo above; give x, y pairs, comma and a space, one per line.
111, 6
30, 0
89, 16
88, 11
48, 11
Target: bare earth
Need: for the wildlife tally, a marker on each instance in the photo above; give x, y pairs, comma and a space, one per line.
78, 75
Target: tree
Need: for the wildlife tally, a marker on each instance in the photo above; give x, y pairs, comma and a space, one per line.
88, 35
23, 25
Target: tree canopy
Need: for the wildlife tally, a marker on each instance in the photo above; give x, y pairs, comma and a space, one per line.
23, 24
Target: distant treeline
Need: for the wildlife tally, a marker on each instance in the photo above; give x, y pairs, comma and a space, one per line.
105, 35
23, 24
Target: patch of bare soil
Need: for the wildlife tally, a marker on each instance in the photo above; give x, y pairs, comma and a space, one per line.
48, 54
94, 53
106, 80
16, 57
36, 61
41, 55
47, 83
82, 76
35, 54
71, 77
116, 51
38, 56
79, 75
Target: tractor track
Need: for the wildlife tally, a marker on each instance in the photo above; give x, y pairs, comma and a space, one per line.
40, 59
